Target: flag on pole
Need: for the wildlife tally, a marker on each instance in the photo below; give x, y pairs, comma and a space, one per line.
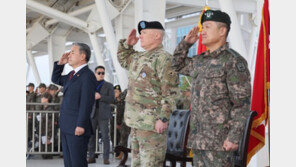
261, 86
200, 47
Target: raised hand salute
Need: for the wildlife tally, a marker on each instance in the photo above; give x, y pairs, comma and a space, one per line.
64, 59
132, 38
192, 36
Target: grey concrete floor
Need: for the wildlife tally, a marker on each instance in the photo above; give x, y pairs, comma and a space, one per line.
37, 161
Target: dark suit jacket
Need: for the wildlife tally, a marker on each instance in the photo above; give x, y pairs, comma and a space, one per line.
79, 95
107, 98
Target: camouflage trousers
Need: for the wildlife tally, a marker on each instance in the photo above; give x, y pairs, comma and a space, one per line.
148, 148
112, 129
124, 133
205, 158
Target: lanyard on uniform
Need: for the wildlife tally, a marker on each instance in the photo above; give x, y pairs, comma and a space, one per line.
100, 85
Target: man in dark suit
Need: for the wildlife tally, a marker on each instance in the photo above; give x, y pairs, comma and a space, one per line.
101, 114
79, 94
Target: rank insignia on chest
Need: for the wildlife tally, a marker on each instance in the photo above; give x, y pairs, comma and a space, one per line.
143, 75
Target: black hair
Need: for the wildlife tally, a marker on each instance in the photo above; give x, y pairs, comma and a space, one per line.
47, 96
84, 48
220, 24
99, 67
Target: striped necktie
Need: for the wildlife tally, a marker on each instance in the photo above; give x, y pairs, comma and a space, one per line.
71, 74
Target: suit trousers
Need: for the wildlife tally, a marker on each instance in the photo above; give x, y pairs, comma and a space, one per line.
103, 125
74, 150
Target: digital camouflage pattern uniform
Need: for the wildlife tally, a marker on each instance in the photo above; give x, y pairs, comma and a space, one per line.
56, 99
221, 92
124, 129
152, 89
38, 100
49, 125
30, 98
122, 133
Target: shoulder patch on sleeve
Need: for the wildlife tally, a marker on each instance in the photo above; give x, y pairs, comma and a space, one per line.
240, 66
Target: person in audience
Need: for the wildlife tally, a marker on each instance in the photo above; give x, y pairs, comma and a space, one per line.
101, 114
121, 127
46, 138
30, 98
41, 91
53, 90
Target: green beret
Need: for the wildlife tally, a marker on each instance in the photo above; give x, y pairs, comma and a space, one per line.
149, 25
216, 15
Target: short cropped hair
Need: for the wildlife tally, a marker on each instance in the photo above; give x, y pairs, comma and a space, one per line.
220, 24
102, 67
84, 48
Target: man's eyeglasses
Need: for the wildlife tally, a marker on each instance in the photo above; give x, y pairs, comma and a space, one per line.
99, 73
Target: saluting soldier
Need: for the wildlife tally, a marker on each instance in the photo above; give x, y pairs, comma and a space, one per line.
151, 93
221, 91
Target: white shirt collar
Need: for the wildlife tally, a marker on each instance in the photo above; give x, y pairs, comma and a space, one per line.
79, 68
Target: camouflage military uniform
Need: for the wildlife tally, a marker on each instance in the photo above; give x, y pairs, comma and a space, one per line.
49, 130
30, 98
49, 125
38, 100
119, 117
124, 129
56, 99
151, 95
221, 94
123, 133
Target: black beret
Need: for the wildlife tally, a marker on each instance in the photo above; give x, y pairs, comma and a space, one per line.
117, 87
31, 84
216, 15
42, 85
149, 25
